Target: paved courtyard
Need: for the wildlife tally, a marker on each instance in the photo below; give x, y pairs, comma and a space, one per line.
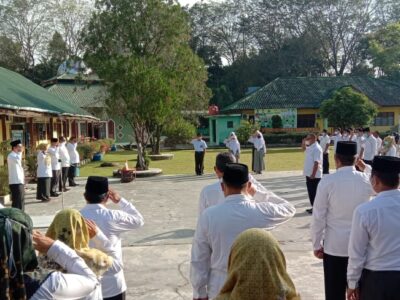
157, 256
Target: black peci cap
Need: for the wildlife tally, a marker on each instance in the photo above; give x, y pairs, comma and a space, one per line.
15, 143
96, 185
346, 148
386, 164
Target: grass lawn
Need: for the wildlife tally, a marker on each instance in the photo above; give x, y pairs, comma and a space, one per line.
279, 159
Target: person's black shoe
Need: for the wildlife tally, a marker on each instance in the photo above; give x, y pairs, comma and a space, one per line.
46, 200
309, 211
66, 190
54, 195
74, 184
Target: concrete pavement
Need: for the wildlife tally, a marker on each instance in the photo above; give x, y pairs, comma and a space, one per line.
157, 256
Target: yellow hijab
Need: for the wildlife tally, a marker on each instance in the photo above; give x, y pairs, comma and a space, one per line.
257, 270
70, 227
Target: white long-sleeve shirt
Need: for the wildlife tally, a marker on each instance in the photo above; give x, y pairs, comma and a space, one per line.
259, 143
79, 283
43, 165
15, 170
213, 194
73, 153
218, 227
375, 239
64, 155
113, 223
370, 147
338, 194
55, 157
233, 145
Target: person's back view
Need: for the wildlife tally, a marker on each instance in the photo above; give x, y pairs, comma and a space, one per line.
113, 223
257, 269
219, 225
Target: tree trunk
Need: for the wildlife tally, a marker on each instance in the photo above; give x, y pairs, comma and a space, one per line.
141, 162
156, 149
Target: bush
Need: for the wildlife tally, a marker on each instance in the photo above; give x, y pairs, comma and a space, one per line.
86, 150
31, 164
286, 138
276, 121
179, 131
4, 188
245, 130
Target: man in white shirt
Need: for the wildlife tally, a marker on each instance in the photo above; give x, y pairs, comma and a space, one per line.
200, 147
312, 166
359, 140
213, 194
378, 142
337, 196
369, 148
65, 163
113, 223
337, 136
54, 152
325, 142
16, 176
219, 225
74, 160
373, 272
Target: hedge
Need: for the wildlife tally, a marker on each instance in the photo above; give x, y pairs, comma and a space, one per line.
285, 138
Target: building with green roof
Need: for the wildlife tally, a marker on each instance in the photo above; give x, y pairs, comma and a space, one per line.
297, 100
89, 92
31, 113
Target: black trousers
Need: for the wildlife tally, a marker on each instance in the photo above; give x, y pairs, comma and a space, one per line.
199, 162
380, 285
17, 196
55, 181
71, 174
325, 163
312, 185
63, 180
43, 188
118, 297
335, 275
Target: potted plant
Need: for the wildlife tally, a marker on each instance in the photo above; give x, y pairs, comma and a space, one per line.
4, 189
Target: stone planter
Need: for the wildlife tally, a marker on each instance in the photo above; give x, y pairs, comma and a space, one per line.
5, 200
166, 156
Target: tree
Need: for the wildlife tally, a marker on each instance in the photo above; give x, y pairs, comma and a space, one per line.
10, 55
27, 23
348, 108
384, 48
141, 49
338, 26
245, 130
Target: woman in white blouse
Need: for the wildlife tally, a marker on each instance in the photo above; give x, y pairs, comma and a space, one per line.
20, 277
44, 173
233, 145
260, 149
389, 147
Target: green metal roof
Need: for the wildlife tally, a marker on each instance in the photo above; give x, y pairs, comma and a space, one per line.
82, 95
18, 92
309, 92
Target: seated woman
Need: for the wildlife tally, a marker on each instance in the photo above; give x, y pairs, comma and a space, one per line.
20, 277
257, 269
73, 230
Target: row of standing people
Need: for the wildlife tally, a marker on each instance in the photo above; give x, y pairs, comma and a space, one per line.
232, 143
356, 236
80, 257
55, 165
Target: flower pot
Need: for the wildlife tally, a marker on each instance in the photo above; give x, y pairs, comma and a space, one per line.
5, 200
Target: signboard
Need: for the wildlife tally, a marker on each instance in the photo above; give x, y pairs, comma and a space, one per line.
17, 135
289, 117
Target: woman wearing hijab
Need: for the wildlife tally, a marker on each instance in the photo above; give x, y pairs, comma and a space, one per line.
73, 230
233, 145
20, 277
257, 270
388, 147
44, 173
260, 149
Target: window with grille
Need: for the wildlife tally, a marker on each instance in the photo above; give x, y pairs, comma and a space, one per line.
384, 119
306, 121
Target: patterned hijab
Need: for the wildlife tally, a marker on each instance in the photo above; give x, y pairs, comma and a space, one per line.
70, 227
17, 255
257, 270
